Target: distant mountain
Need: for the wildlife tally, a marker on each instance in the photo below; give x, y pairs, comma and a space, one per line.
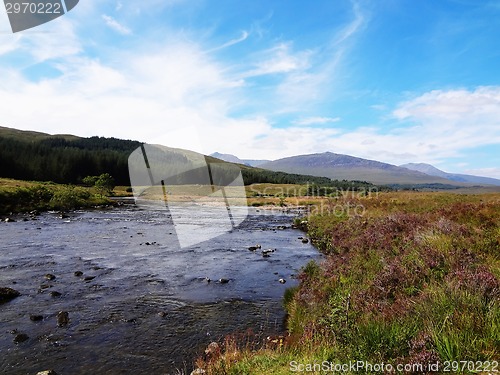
234, 159
340, 167
433, 171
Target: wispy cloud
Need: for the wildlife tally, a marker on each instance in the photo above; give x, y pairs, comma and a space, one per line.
316, 120
115, 25
278, 60
352, 28
243, 37
315, 82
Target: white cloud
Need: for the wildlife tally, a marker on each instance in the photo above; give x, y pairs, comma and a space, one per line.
146, 97
453, 120
486, 172
54, 40
115, 25
316, 120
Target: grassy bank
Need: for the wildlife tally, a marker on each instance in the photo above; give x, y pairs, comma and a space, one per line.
24, 196
413, 278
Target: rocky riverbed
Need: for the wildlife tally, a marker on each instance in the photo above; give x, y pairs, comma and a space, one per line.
110, 291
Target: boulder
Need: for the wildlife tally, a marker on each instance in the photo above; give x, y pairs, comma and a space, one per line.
282, 281
78, 273
49, 276
305, 240
223, 281
47, 372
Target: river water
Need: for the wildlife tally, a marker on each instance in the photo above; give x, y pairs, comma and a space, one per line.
142, 304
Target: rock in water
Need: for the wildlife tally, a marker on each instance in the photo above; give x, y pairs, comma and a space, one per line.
47, 372
49, 276
6, 294
22, 337
223, 281
305, 240
282, 281
62, 318
36, 318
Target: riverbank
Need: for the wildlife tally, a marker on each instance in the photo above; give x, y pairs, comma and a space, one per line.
412, 280
28, 196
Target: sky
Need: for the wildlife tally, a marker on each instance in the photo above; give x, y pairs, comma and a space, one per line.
396, 81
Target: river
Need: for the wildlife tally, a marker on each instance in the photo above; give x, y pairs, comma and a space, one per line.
142, 304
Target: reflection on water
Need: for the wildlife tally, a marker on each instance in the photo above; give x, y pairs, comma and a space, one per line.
141, 304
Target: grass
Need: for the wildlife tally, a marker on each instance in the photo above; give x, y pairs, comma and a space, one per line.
414, 279
25, 196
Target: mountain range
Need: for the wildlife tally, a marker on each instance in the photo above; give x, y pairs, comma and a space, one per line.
345, 167
433, 171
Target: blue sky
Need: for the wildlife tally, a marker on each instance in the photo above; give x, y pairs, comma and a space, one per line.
392, 80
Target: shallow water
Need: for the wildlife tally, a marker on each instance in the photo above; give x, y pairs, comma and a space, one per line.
148, 308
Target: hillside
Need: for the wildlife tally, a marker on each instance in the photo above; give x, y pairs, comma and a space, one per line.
27, 155
433, 171
338, 166
34, 156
